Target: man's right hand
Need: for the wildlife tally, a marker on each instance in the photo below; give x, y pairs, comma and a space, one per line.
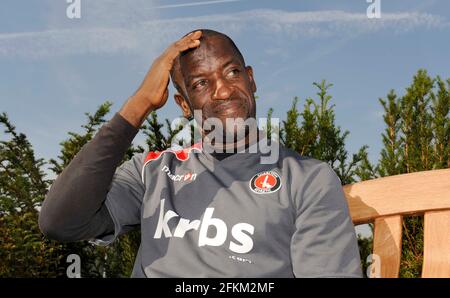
153, 92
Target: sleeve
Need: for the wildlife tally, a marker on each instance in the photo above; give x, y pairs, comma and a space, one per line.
124, 200
324, 242
74, 208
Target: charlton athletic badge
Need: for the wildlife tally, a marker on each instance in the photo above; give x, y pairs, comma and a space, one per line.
265, 182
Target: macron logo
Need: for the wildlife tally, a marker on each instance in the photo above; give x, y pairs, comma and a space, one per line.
173, 177
241, 242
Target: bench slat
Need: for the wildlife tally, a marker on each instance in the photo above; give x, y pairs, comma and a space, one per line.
436, 256
405, 194
387, 245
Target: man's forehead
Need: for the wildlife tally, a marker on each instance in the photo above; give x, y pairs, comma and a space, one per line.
213, 47
202, 59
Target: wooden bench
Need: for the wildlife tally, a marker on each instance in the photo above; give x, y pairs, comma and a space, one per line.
385, 201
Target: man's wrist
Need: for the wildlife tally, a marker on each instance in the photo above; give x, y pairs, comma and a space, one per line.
136, 109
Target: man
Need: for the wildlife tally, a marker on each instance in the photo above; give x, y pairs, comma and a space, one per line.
204, 213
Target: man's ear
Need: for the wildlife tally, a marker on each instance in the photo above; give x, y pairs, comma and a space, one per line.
184, 105
249, 71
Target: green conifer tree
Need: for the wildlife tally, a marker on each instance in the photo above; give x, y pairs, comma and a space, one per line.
416, 139
24, 251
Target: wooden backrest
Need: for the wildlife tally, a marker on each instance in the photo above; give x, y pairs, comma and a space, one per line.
385, 201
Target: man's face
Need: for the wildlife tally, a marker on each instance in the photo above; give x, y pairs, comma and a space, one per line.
217, 82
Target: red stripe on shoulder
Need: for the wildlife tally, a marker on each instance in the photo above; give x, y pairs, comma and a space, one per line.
154, 155
182, 154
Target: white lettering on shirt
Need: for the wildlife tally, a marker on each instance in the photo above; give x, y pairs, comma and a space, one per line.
242, 243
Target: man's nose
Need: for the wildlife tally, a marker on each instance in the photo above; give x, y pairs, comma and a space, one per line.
223, 90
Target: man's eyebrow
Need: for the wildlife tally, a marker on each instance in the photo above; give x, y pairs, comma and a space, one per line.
231, 61
191, 77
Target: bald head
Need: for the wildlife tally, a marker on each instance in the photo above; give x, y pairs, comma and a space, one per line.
208, 37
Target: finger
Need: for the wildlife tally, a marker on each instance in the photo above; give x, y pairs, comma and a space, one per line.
189, 41
195, 35
179, 47
193, 44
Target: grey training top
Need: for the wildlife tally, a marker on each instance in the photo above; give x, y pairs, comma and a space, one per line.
235, 217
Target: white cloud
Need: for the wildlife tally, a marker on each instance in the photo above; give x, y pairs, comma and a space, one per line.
196, 3
53, 43
142, 33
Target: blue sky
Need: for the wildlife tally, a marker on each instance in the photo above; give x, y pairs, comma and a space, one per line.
53, 69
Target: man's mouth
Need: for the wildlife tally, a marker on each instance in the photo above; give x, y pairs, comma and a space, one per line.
232, 108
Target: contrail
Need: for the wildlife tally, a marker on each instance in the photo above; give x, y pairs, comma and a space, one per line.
196, 3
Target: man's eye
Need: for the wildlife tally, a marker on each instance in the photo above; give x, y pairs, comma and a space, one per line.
198, 84
234, 72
